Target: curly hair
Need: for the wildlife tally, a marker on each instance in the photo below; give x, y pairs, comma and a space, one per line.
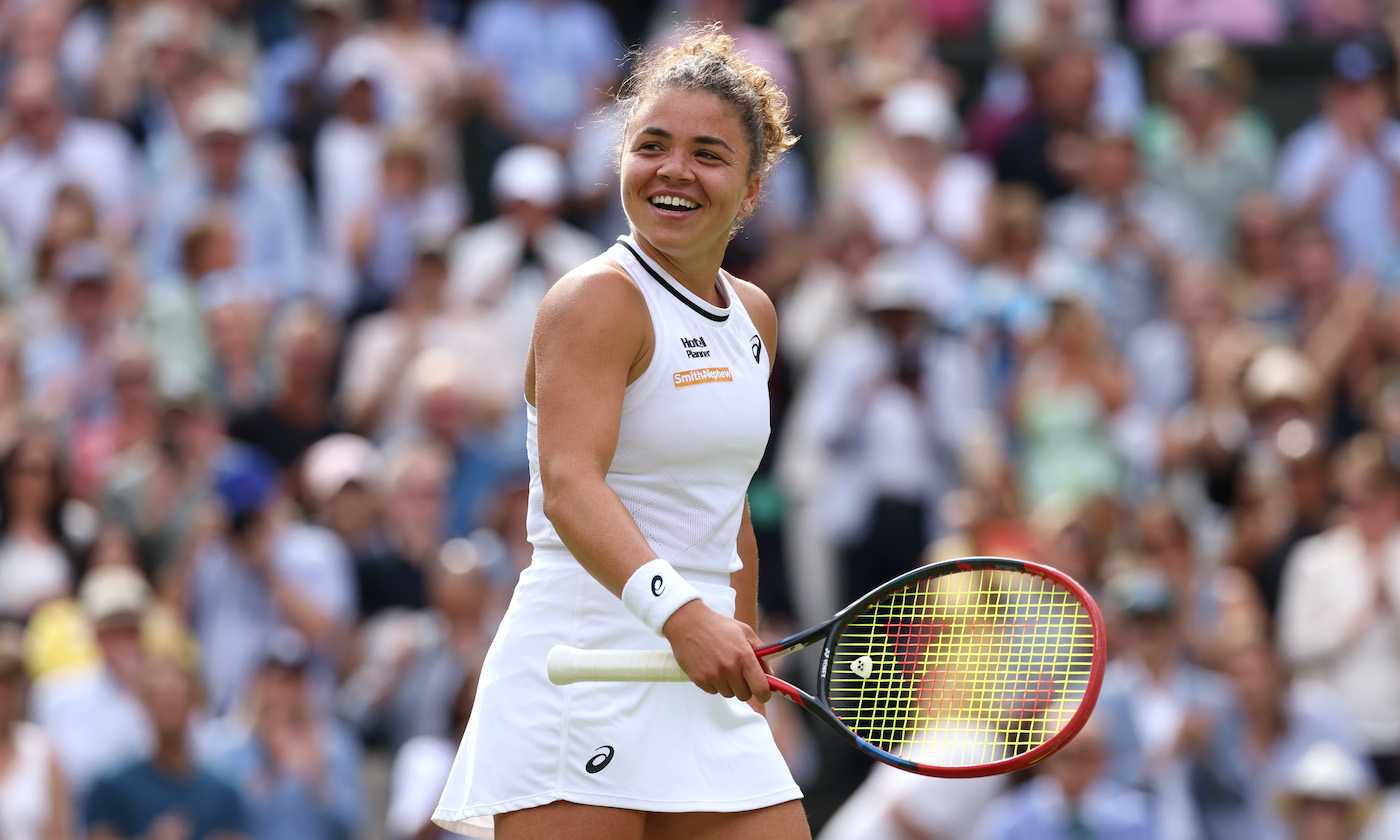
705, 59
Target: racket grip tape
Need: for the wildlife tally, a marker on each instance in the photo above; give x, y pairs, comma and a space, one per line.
567, 665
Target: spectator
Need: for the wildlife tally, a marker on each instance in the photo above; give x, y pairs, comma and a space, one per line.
1019, 26
68, 371
35, 288
1130, 231
415, 664
133, 422
92, 713
34, 559
376, 394
421, 767
173, 315
1069, 391
170, 793
549, 63
1328, 795
1342, 163
894, 387
34, 802
923, 188
297, 770
1205, 148
425, 71
295, 91
256, 187
1172, 728
51, 147
1284, 724
159, 494
1262, 291
1072, 795
265, 574
1045, 149
459, 416
409, 205
505, 266
298, 412
1286, 499
350, 490
350, 144
1338, 619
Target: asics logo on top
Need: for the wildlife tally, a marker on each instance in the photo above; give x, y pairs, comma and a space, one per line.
600, 759
755, 347
693, 347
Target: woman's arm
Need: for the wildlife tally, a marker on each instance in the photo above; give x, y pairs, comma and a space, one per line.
592, 335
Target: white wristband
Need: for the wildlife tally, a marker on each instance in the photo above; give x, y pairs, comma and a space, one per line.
655, 591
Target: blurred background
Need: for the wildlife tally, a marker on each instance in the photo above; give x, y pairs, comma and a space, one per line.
1109, 284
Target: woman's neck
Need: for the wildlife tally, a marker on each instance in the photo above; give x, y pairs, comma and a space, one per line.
697, 272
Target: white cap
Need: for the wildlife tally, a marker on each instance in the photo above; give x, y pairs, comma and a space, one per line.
356, 59
335, 461
1280, 372
920, 108
1328, 772
529, 173
226, 109
111, 591
891, 282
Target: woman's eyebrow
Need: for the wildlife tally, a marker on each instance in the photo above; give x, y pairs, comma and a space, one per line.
703, 139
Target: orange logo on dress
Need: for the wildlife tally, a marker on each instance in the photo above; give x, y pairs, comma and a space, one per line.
699, 376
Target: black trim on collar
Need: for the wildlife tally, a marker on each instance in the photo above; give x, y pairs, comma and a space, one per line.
666, 284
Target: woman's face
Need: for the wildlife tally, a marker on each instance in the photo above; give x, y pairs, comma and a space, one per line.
687, 145
30, 482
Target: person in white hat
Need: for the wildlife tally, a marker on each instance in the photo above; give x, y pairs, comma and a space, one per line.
93, 714
233, 164
1328, 795
894, 398
923, 187
504, 267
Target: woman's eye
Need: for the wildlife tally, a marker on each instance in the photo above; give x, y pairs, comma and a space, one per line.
711, 156
649, 147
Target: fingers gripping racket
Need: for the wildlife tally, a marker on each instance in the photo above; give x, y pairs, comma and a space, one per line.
968, 667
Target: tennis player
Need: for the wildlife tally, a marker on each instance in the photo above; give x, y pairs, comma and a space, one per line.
647, 414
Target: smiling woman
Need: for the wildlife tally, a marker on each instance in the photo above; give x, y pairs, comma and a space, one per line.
647, 407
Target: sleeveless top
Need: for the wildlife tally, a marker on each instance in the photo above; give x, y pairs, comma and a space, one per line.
693, 428
24, 787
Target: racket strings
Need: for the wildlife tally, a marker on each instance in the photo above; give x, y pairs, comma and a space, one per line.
967, 668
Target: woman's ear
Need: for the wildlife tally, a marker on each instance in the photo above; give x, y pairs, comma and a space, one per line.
751, 194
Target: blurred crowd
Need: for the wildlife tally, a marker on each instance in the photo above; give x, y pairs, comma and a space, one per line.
269, 271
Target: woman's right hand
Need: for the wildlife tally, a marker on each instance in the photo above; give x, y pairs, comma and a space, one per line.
716, 652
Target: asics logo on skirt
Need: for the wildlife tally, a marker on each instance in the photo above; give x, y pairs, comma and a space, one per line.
599, 760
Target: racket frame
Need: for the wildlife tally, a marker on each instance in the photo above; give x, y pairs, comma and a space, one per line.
829, 630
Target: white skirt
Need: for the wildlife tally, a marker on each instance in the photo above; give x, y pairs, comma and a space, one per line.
643, 746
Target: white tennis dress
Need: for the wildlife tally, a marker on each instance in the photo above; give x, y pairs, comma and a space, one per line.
693, 428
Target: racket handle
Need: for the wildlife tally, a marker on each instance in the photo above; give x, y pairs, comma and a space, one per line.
567, 665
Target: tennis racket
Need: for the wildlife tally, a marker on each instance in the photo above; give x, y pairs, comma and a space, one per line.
967, 667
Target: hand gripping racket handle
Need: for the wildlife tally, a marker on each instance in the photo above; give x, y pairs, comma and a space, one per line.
567, 665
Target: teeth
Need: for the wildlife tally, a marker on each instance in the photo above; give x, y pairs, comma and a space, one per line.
673, 201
